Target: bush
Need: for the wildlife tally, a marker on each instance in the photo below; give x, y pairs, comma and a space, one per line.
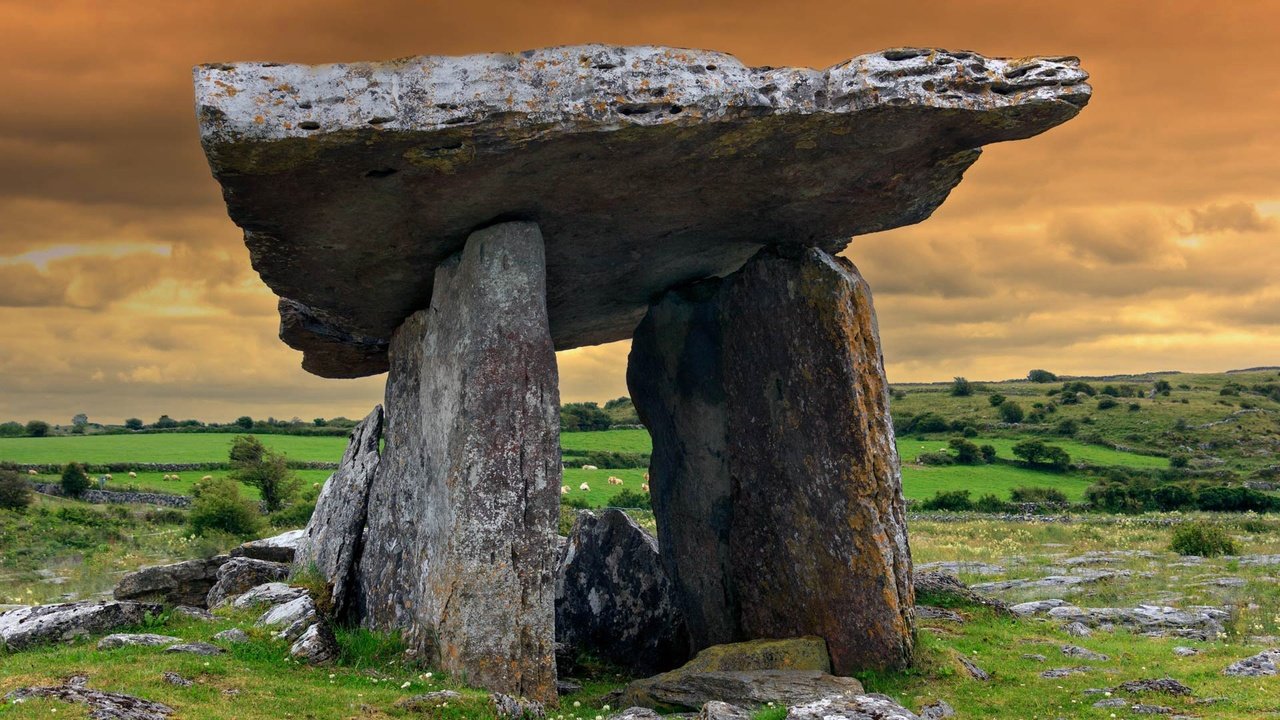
949, 500
11, 429
609, 459
1011, 412
165, 516
74, 480
1179, 461
1041, 376
1035, 452
37, 428
935, 458
1235, 499
632, 499
969, 431
1107, 402
1067, 427
961, 387
1203, 539
293, 516
1135, 407
927, 422
1079, 386
15, 492
995, 399
218, 507
133, 424
966, 452
988, 453
1037, 495
255, 465
991, 504
584, 416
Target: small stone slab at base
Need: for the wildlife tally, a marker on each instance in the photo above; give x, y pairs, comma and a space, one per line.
862, 707
316, 645
183, 583
120, 640
278, 548
28, 626
102, 705
272, 594
745, 688
240, 575
195, 648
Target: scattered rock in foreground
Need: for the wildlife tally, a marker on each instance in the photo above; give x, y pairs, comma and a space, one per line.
1260, 665
636, 713
937, 711
929, 612
955, 567
239, 575
934, 586
184, 583
1065, 672
102, 705
744, 688
1076, 651
316, 645
1166, 686
974, 671
507, 707
28, 626
174, 678
195, 648
192, 612
120, 640
1183, 651
233, 635
279, 548
1037, 607
428, 701
294, 617
1203, 623
1076, 629
1082, 576
716, 710
858, 707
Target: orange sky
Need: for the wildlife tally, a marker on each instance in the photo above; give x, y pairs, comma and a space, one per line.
1142, 235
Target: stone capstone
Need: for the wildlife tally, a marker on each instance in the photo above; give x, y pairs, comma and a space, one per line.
183, 583
239, 575
613, 598
28, 626
459, 549
278, 548
332, 536
645, 166
774, 474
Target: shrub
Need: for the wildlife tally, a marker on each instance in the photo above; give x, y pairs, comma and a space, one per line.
1041, 376
951, 500
988, 453
1035, 452
1107, 402
632, 499
1203, 539
15, 492
1079, 386
165, 422
961, 387
969, 431
11, 429
928, 422
74, 480
1235, 499
991, 504
1172, 497
575, 417
995, 399
935, 458
133, 424
1135, 407
609, 459
1029, 494
295, 515
966, 452
217, 506
165, 516
1163, 387
255, 465
1067, 426
1011, 412
1179, 461
37, 428
576, 502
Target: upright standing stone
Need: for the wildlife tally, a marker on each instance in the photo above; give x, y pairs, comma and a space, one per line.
460, 547
766, 397
333, 534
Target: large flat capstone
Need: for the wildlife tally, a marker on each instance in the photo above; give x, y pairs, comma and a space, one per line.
644, 166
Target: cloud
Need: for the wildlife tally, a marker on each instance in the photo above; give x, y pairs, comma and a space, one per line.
1237, 217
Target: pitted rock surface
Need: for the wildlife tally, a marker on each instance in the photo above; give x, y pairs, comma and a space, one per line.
119, 640
460, 548
774, 475
645, 167
28, 626
613, 598
861, 707
272, 594
102, 705
239, 575
1261, 665
333, 534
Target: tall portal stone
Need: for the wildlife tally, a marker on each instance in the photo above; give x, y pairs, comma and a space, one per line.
460, 548
766, 397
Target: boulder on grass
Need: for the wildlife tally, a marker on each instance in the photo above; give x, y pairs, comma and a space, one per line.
184, 583
316, 645
240, 575
120, 640
102, 705
861, 707
279, 548
272, 594
28, 626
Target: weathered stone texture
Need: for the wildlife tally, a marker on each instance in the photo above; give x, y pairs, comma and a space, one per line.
27, 626
645, 167
460, 546
613, 598
239, 575
182, 583
766, 398
333, 534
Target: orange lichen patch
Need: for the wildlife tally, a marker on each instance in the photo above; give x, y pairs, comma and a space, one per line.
259, 119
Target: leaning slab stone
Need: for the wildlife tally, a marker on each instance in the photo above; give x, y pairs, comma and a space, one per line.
646, 167
184, 583
278, 548
774, 474
333, 535
239, 575
861, 707
459, 552
613, 598
120, 640
28, 626
102, 705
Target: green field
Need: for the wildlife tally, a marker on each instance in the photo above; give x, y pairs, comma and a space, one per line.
160, 448
921, 483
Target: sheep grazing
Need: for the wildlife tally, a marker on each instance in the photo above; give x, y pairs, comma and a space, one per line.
32, 471
108, 477
646, 477
206, 478
584, 487
590, 467
175, 477
133, 474
645, 487
564, 489
615, 480
167, 478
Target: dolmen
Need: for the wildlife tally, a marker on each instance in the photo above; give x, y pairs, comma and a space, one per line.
454, 221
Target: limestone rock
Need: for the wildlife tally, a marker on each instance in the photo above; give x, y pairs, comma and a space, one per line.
937, 711
278, 548
636, 713
275, 593
1260, 665
745, 688
194, 613
716, 710
1037, 607
175, 679
294, 617
506, 707
239, 575
1165, 686
195, 648
1076, 651
861, 707
973, 670
333, 535
459, 551
316, 645
1201, 623
929, 612
234, 636
28, 626
428, 701
183, 583
645, 166
613, 598
802, 653
774, 475
102, 705
119, 640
